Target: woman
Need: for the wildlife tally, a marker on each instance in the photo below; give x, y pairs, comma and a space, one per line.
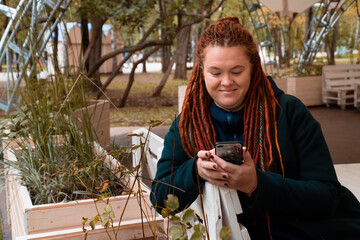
287, 183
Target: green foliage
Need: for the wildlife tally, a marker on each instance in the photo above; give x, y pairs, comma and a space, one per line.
124, 13
172, 202
181, 222
225, 233
56, 156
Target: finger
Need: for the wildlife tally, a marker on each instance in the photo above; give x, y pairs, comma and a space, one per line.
219, 182
214, 175
226, 166
209, 165
247, 160
204, 154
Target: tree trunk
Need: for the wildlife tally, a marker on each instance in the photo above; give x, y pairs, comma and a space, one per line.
113, 75
84, 39
165, 50
95, 53
165, 53
162, 83
288, 47
182, 49
132, 75
113, 46
330, 44
143, 52
55, 49
275, 32
144, 63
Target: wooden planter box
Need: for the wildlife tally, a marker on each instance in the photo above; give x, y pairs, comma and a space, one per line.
99, 112
64, 220
307, 89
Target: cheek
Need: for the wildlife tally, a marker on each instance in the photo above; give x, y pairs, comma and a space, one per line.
209, 82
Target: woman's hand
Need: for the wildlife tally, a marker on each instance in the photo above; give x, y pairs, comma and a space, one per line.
219, 172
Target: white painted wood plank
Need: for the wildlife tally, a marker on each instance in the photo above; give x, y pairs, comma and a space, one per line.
349, 176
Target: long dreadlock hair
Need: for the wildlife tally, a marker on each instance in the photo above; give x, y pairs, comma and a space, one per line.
260, 129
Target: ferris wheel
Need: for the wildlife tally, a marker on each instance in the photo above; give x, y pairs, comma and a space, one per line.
30, 24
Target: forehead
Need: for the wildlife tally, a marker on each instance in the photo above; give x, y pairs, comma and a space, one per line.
225, 56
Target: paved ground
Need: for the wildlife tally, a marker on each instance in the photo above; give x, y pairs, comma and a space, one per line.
341, 129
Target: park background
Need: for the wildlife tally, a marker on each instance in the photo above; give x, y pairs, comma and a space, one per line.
137, 53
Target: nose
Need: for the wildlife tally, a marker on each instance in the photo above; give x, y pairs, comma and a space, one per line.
226, 80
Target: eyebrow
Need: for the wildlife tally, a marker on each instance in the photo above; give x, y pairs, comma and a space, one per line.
236, 67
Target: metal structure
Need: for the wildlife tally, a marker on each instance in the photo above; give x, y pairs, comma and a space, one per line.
30, 26
263, 34
326, 15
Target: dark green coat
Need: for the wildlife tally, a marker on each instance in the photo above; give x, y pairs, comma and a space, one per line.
309, 203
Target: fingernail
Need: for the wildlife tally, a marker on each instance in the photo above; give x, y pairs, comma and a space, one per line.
224, 176
226, 184
206, 154
212, 157
214, 167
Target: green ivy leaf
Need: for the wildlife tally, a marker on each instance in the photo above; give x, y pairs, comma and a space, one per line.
92, 224
199, 228
175, 232
112, 215
105, 223
196, 236
172, 202
84, 221
178, 233
225, 233
176, 219
108, 208
188, 215
158, 227
165, 212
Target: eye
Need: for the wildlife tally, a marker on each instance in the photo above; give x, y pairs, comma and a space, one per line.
215, 73
237, 72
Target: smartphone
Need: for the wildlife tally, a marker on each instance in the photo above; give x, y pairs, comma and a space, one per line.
230, 151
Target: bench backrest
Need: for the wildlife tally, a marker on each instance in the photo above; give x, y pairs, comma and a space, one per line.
340, 76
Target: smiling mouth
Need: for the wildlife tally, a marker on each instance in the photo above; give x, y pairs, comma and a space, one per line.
227, 90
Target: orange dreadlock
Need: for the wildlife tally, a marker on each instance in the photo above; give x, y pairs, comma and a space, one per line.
260, 131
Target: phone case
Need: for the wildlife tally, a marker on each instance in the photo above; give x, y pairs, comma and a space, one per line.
229, 151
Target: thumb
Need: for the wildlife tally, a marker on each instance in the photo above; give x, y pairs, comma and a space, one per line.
247, 160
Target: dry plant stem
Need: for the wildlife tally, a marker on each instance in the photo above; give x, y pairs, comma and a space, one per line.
61, 106
96, 207
201, 199
199, 188
133, 185
106, 96
141, 212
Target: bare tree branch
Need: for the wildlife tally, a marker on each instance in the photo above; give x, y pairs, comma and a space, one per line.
123, 50
131, 76
139, 46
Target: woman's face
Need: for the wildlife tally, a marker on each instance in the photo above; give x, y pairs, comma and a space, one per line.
227, 73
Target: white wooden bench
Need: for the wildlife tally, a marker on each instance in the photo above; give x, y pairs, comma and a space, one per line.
339, 83
357, 96
221, 205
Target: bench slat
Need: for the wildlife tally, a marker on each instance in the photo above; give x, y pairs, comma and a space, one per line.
339, 84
